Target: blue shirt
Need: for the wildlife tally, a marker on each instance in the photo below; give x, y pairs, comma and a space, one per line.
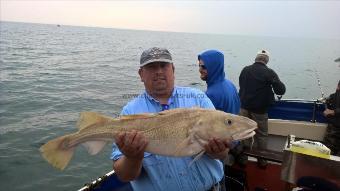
221, 91
172, 173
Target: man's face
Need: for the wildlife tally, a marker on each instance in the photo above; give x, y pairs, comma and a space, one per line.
203, 70
158, 78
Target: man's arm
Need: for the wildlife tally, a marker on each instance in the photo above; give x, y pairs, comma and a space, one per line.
132, 145
278, 87
331, 108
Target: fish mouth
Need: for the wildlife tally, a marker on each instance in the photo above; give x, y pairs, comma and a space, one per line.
244, 135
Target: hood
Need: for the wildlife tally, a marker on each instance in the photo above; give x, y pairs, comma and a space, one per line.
214, 62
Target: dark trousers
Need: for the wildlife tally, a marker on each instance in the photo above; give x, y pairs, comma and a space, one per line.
332, 139
261, 136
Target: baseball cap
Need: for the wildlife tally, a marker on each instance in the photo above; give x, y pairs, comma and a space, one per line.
262, 56
155, 54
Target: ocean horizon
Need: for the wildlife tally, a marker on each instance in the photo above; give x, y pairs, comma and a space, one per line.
161, 31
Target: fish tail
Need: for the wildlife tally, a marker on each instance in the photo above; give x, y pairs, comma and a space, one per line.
56, 153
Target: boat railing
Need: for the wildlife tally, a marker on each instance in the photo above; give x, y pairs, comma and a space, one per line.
107, 182
299, 110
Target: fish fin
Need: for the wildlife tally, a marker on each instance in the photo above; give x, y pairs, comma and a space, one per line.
174, 111
94, 147
198, 156
252, 143
137, 116
55, 154
87, 119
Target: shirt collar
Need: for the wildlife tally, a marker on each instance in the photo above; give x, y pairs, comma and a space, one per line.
170, 101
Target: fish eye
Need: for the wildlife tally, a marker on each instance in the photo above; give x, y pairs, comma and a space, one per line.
228, 122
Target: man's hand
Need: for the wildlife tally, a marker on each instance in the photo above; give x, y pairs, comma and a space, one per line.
132, 144
328, 112
217, 148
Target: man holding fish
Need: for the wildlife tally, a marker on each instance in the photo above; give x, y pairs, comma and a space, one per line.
167, 138
153, 172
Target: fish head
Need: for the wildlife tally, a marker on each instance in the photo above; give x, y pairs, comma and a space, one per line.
234, 127
226, 126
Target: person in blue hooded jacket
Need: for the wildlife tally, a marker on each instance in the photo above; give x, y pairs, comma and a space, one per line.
221, 91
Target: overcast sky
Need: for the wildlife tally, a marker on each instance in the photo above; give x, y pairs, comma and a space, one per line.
318, 19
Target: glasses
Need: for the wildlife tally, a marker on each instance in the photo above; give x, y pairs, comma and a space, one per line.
202, 66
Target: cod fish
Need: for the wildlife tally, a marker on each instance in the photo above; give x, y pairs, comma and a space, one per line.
177, 132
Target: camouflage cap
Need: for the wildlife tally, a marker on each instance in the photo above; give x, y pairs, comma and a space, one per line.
155, 54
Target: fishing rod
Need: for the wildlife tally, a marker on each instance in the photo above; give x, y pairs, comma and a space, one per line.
319, 84
322, 100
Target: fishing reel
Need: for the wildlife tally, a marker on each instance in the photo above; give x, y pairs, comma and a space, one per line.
322, 100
